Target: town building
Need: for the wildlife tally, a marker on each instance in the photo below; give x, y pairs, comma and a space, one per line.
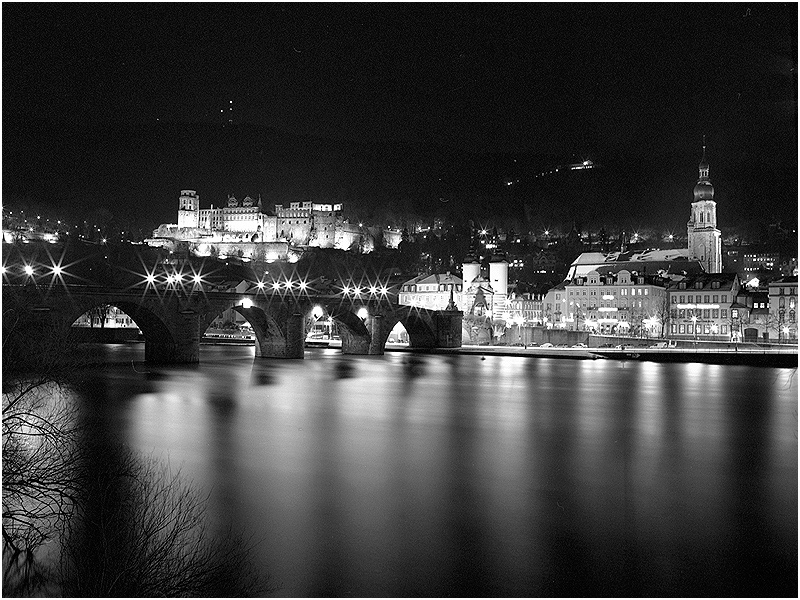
526, 309
705, 240
750, 316
783, 310
760, 263
431, 291
700, 307
733, 259
609, 302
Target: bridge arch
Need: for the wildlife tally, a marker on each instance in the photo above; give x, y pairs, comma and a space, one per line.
160, 344
278, 334
417, 325
354, 331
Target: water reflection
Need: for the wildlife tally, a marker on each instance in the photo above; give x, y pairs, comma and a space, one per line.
451, 475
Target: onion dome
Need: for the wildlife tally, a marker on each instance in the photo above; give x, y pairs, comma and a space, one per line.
703, 190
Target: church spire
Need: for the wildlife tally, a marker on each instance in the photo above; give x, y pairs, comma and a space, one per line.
703, 190
704, 163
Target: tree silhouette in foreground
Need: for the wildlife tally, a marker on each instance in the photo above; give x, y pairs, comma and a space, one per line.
83, 516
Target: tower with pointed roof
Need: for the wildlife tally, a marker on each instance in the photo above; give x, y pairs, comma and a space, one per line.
705, 240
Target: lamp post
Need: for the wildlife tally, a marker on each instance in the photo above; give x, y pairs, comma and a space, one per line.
694, 329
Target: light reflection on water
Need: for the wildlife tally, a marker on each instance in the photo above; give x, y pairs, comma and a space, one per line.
451, 475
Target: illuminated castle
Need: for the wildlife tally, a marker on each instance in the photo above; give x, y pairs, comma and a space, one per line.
235, 228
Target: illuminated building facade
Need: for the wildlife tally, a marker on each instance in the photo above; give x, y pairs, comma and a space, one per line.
244, 217
432, 291
783, 309
701, 307
617, 303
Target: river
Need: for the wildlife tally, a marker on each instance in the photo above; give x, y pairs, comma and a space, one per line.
431, 475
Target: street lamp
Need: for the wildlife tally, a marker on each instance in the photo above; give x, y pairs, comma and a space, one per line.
694, 329
519, 320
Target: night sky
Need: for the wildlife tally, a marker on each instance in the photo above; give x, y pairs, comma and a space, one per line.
122, 105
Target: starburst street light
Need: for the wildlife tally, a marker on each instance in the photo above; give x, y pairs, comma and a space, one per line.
28, 270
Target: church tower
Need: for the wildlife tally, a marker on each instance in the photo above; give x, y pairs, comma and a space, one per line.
705, 241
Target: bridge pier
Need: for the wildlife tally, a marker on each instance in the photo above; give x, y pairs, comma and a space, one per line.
376, 325
295, 336
183, 349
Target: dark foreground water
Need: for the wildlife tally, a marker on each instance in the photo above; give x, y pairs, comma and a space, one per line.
408, 475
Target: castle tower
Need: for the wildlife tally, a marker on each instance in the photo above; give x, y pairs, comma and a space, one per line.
188, 209
705, 241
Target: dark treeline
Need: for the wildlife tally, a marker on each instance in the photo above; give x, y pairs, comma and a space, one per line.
135, 173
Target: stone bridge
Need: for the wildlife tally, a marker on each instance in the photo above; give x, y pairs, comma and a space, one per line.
173, 320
